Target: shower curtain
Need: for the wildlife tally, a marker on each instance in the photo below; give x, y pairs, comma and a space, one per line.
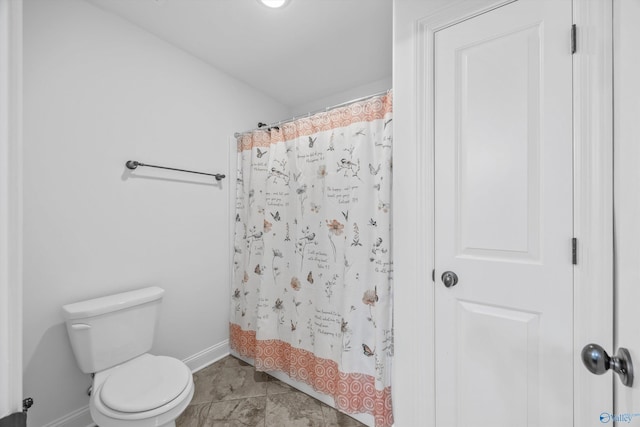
312, 290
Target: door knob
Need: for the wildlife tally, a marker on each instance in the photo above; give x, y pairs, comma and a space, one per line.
449, 278
598, 362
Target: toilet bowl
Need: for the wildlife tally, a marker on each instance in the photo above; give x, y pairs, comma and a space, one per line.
148, 391
111, 337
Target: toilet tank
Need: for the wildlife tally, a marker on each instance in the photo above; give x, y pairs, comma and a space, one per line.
107, 331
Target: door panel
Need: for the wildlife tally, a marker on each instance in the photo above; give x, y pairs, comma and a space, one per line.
503, 164
482, 360
503, 218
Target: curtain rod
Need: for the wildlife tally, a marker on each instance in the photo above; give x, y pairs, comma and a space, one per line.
309, 114
132, 164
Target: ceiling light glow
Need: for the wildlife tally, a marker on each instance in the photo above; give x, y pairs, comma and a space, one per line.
273, 3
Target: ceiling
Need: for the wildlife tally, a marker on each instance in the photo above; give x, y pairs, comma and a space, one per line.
308, 50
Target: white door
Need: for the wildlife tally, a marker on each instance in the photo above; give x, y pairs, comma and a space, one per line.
503, 218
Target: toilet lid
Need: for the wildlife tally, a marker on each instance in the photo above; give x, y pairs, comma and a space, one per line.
145, 384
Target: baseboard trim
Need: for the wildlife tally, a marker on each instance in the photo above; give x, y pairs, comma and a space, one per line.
207, 356
78, 418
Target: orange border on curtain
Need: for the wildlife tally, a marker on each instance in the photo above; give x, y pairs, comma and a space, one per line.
365, 111
352, 393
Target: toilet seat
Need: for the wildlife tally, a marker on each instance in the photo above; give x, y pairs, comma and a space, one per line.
105, 416
145, 384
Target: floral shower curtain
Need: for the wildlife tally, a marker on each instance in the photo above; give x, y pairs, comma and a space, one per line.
312, 291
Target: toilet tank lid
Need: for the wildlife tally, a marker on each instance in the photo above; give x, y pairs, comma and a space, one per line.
102, 305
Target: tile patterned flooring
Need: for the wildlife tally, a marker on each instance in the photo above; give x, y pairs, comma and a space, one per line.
231, 393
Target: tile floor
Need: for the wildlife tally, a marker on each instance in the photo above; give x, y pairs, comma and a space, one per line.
230, 393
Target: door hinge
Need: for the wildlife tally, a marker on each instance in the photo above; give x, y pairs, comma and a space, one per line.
433, 275
574, 251
574, 39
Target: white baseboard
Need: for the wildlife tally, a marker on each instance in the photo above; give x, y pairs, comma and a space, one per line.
207, 356
78, 418
82, 417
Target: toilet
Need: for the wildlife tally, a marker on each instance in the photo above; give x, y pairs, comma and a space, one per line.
111, 337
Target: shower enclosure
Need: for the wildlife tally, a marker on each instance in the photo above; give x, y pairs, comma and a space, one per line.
312, 288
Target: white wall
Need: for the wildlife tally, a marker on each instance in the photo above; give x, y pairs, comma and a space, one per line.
98, 92
10, 207
627, 192
338, 98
